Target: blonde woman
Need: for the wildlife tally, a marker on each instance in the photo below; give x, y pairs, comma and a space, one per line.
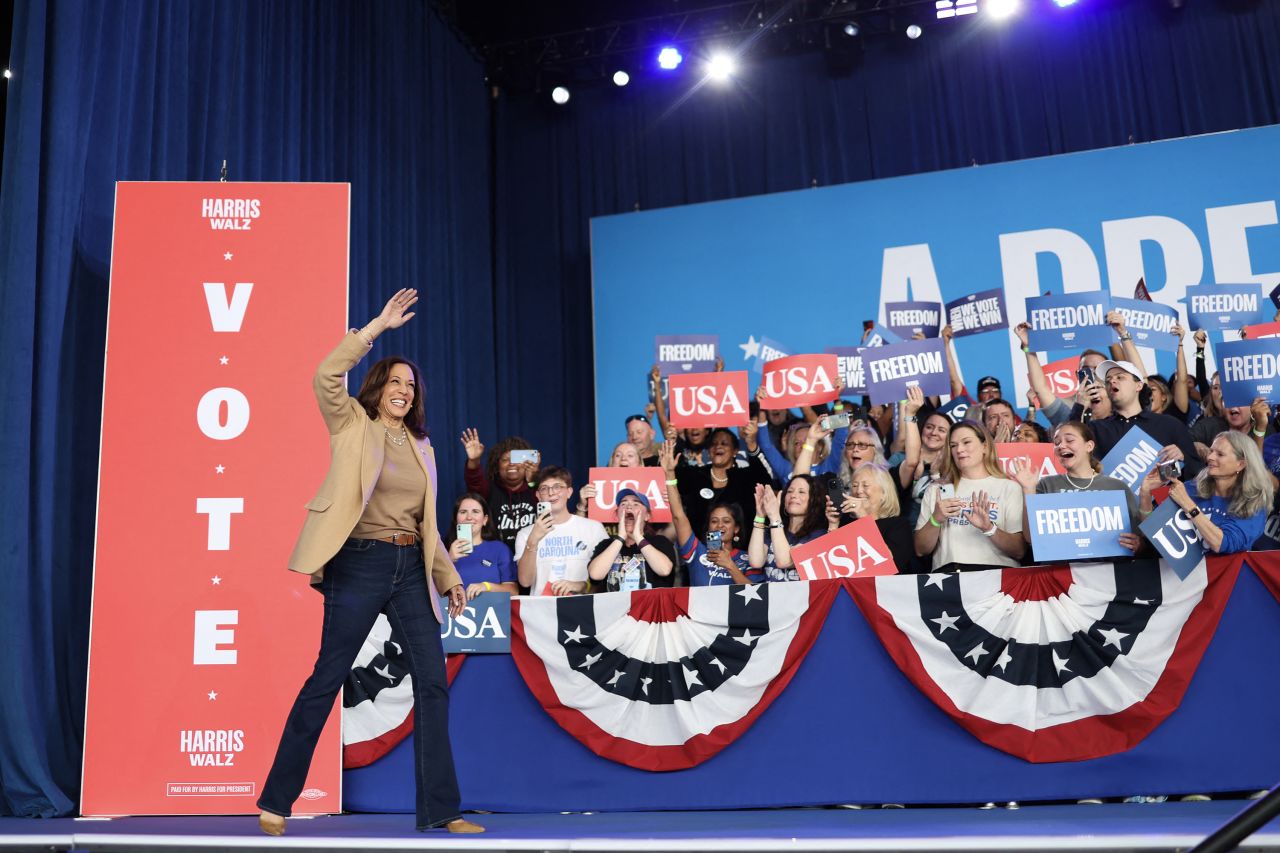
1234, 492
972, 518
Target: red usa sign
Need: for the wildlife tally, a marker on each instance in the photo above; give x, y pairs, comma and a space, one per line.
708, 399
650, 482
801, 380
1261, 330
1038, 456
1062, 378
856, 550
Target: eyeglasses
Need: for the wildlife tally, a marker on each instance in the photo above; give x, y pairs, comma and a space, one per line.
861, 445
553, 489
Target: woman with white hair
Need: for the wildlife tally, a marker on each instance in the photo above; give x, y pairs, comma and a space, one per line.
874, 493
1233, 494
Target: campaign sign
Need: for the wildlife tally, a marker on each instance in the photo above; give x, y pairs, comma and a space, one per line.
1215, 307
1275, 296
200, 637
483, 626
856, 550
1249, 369
1261, 330
1132, 458
1077, 525
763, 351
891, 369
801, 380
708, 399
686, 353
1036, 456
849, 363
650, 482
907, 319
1063, 378
1069, 321
958, 409
1149, 323
977, 313
1175, 537
879, 336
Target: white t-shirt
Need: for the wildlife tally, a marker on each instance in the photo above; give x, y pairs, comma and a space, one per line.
961, 542
565, 552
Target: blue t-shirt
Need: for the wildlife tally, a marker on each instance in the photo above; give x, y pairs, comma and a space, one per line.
1270, 538
703, 572
771, 570
1237, 533
489, 561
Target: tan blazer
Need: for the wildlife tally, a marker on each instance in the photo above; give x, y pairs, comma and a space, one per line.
356, 450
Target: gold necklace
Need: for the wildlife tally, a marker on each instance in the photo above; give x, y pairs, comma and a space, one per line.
397, 440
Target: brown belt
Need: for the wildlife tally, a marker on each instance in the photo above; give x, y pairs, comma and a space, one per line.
402, 539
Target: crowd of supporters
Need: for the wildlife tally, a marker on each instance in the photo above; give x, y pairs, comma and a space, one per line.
742, 499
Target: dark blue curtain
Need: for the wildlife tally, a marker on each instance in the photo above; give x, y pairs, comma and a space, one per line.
1098, 74
379, 94
384, 95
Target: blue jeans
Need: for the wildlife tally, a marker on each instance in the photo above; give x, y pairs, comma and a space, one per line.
368, 577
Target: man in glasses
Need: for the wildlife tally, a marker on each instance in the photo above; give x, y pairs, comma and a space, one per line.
552, 553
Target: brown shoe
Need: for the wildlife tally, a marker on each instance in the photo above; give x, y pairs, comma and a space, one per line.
463, 825
271, 824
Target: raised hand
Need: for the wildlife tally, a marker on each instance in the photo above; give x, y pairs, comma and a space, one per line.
471, 443
981, 509
1021, 331
393, 314
915, 400
770, 501
1178, 332
1023, 475
1201, 338
667, 457
1261, 414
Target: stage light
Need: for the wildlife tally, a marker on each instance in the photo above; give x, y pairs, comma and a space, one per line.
621, 78
8, 75
851, 29
1065, 2
914, 32
560, 95
669, 58
1001, 9
955, 8
721, 66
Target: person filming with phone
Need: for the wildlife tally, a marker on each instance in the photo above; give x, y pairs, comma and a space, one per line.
1233, 494
482, 560
552, 553
714, 559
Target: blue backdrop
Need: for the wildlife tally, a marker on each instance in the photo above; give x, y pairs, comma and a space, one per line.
1179, 213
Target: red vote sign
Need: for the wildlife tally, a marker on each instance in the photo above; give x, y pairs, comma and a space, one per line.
801, 380
1261, 330
650, 482
1062, 378
1039, 457
709, 399
224, 299
856, 550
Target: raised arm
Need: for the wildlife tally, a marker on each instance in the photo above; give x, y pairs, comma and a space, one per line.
667, 458
1035, 370
1181, 399
953, 362
660, 405
911, 435
1127, 347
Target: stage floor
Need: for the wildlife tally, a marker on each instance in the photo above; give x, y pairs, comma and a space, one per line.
1112, 827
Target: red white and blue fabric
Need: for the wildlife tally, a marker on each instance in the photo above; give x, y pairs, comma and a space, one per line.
1052, 664
377, 698
664, 679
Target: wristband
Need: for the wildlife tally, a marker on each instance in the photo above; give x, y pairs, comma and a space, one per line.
643, 543
807, 446
1200, 354
933, 521
1260, 433
911, 419
759, 519
619, 540
760, 525
776, 525
1126, 337
488, 587
1193, 512
672, 482
989, 532
1026, 349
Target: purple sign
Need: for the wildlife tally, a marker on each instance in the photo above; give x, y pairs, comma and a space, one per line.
850, 366
686, 353
1069, 321
907, 319
891, 369
1275, 296
1150, 323
1215, 307
977, 313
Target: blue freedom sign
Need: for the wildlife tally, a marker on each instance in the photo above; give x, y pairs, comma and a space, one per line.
1215, 307
891, 369
762, 351
1150, 323
1249, 369
977, 313
1077, 525
1132, 458
686, 353
1069, 321
958, 409
907, 319
879, 337
849, 363
1175, 537
483, 627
